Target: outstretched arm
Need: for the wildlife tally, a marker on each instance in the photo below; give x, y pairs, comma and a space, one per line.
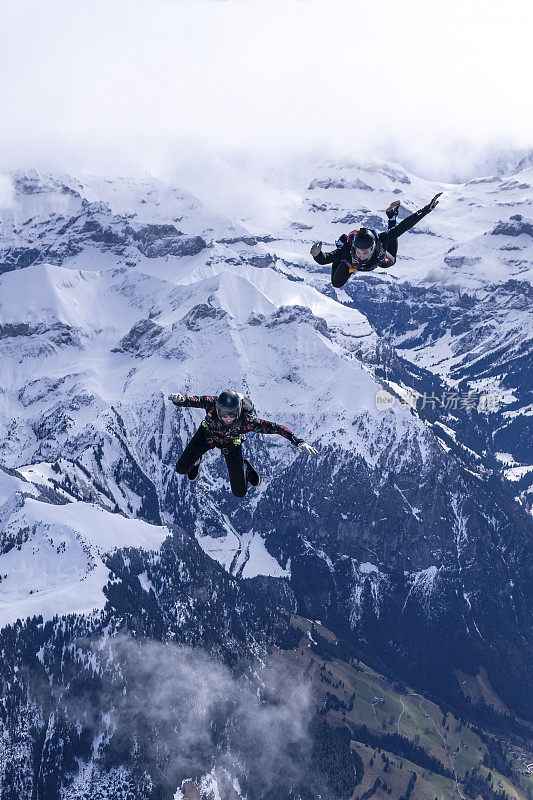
342, 251
195, 401
264, 426
407, 223
324, 258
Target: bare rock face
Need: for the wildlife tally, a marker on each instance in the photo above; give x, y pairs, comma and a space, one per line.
516, 226
144, 338
155, 241
340, 183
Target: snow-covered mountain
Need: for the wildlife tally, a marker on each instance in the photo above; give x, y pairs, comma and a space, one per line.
412, 519
51, 561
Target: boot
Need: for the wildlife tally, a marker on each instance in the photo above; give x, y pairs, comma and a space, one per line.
194, 470
392, 213
253, 477
393, 209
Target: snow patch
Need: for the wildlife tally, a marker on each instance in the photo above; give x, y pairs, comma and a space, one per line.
517, 473
145, 582
367, 567
244, 555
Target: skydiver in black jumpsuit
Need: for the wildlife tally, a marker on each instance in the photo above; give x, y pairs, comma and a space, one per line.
365, 249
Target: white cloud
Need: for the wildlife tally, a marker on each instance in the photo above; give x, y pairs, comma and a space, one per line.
6, 192
114, 84
204, 715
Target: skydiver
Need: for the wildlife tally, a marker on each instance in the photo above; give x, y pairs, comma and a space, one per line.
364, 249
229, 417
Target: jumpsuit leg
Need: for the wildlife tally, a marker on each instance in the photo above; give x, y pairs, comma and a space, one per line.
395, 231
196, 448
391, 245
340, 272
237, 476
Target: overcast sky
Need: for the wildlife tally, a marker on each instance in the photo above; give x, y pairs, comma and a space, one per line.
117, 85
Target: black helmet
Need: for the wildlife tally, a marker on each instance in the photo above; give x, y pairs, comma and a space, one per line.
363, 240
229, 404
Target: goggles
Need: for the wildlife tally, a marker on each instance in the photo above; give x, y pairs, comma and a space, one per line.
227, 413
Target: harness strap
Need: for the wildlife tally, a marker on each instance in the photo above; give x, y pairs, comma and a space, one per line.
224, 438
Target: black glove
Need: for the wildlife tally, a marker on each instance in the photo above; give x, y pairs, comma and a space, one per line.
433, 202
316, 249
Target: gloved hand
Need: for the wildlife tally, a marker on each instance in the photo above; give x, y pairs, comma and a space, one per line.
434, 201
307, 448
176, 398
316, 249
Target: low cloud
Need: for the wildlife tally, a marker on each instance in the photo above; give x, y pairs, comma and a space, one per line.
147, 85
179, 714
7, 195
